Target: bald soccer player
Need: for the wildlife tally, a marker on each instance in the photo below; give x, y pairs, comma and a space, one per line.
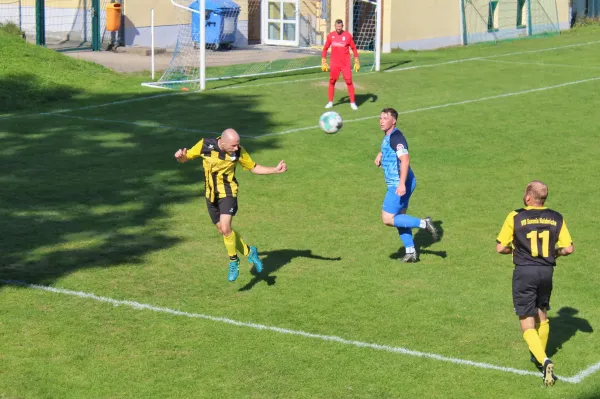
535, 236
220, 157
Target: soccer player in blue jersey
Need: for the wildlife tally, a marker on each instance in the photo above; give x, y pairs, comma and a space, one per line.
401, 182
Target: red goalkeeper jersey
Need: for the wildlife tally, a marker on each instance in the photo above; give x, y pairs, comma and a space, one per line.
340, 44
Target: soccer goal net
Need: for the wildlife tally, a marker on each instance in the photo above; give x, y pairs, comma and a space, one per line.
223, 39
496, 20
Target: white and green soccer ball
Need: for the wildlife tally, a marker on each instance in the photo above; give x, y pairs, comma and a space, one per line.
330, 122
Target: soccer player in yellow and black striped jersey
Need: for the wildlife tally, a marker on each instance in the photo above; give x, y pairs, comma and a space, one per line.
535, 236
220, 157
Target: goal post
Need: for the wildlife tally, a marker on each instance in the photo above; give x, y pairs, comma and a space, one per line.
227, 39
497, 20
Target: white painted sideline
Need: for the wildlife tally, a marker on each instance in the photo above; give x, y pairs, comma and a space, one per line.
516, 93
300, 129
403, 351
242, 86
540, 64
143, 124
62, 111
490, 56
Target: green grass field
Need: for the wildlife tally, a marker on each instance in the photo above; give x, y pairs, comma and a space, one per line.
93, 202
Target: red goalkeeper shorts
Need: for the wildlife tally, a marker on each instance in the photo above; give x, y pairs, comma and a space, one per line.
346, 71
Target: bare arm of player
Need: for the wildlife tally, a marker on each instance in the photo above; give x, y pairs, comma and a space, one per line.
269, 170
404, 164
181, 155
506, 235
566, 251
565, 242
501, 249
378, 159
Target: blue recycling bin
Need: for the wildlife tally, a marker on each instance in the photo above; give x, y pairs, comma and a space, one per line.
221, 23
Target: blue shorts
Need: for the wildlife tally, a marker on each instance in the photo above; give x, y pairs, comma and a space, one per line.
393, 203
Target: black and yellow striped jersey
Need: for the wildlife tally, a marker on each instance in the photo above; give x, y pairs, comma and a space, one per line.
219, 167
534, 233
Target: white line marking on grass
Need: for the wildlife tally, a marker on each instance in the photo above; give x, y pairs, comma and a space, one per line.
143, 124
62, 111
300, 129
242, 86
490, 56
332, 338
516, 93
577, 378
541, 64
323, 78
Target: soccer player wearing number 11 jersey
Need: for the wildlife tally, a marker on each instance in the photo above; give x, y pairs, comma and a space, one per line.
535, 236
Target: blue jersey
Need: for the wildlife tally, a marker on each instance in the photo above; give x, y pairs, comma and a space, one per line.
394, 145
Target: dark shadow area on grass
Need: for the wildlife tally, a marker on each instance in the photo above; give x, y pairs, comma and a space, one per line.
591, 395
26, 91
80, 194
424, 240
563, 327
360, 99
386, 66
275, 260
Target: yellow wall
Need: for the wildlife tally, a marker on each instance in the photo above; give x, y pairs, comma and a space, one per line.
138, 12
424, 19
438, 21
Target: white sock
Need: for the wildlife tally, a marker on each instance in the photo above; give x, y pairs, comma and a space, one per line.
410, 250
423, 224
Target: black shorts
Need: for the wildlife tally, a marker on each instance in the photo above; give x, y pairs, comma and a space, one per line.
225, 206
531, 287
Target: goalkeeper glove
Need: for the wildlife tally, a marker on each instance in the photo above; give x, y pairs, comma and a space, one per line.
356, 65
324, 66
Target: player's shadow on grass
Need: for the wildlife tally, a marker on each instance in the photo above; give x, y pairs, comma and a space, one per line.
424, 240
93, 193
360, 99
275, 260
563, 327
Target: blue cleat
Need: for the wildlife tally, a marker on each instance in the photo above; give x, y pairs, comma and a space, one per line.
254, 259
234, 270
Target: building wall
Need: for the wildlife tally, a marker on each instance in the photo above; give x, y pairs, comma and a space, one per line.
429, 24
167, 19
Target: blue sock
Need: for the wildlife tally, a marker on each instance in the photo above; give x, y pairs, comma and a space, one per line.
406, 237
407, 221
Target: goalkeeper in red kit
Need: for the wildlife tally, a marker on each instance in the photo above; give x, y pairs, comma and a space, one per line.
340, 41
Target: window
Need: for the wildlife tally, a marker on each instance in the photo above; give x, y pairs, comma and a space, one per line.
491, 16
520, 12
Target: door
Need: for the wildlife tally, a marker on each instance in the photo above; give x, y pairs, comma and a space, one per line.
280, 22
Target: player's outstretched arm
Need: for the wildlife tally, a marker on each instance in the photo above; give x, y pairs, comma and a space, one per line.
269, 170
181, 155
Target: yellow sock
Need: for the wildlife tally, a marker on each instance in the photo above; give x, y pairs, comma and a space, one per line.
543, 332
230, 244
241, 245
535, 344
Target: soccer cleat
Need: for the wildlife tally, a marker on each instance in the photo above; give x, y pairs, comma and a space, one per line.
329, 105
548, 373
234, 270
537, 364
429, 226
353, 106
254, 259
410, 258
